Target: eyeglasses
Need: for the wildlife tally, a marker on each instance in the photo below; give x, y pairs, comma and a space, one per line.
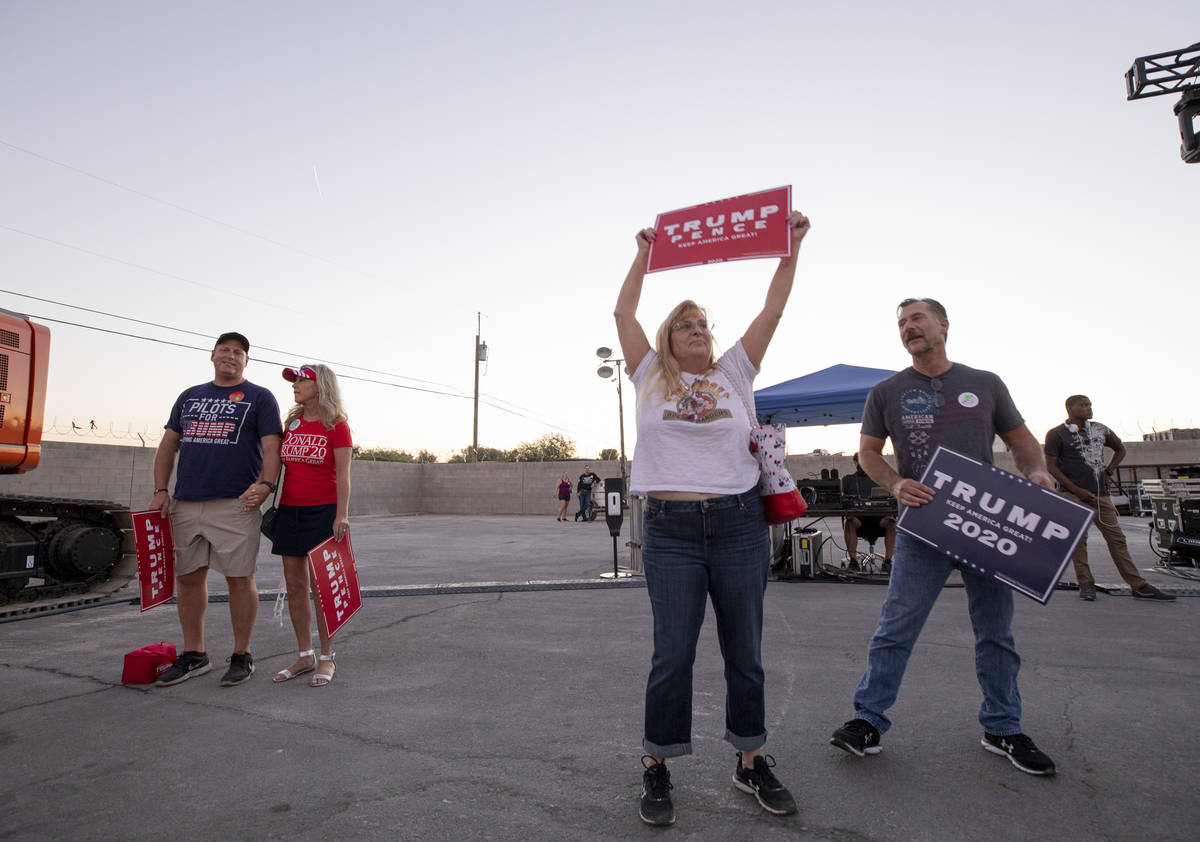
687, 326
938, 399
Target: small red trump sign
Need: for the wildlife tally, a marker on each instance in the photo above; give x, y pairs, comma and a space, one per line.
740, 228
155, 557
333, 571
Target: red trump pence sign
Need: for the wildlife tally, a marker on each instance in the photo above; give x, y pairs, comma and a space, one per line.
333, 571
155, 557
741, 228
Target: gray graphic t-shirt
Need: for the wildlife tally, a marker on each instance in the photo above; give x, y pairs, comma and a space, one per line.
963, 409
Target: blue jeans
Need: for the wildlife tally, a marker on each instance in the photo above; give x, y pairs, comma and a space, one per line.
918, 574
693, 550
585, 502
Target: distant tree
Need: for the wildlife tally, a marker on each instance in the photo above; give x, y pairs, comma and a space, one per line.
425, 457
379, 454
609, 454
548, 448
486, 454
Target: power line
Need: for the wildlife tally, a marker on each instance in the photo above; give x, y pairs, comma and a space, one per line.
543, 419
280, 363
257, 359
146, 268
209, 336
186, 210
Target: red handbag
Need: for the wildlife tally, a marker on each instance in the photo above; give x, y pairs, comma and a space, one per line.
145, 665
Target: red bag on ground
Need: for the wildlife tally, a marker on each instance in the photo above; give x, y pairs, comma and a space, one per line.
145, 665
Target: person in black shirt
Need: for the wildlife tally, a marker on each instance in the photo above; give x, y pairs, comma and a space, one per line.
1075, 457
856, 488
586, 481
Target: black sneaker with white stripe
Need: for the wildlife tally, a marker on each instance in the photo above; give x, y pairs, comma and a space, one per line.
761, 782
858, 737
1021, 751
656, 807
188, 664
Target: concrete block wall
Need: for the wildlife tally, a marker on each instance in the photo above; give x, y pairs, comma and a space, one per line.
385, 488
503, 488
124, 475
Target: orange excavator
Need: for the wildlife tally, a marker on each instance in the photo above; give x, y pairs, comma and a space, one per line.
50, 548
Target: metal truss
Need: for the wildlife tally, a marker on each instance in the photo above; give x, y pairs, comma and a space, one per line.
1164, 73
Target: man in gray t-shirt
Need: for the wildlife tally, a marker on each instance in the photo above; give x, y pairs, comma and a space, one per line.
938, 402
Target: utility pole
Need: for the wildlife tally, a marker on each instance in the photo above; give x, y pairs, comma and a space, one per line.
480, 356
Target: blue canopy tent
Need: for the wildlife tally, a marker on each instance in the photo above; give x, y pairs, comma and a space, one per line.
833, 395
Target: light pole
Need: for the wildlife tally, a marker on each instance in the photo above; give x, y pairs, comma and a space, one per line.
606, 371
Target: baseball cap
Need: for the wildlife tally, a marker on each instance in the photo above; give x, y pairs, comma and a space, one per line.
233, 336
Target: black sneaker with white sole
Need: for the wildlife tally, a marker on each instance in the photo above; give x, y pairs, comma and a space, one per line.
241, 667
186, 665
761, 782
858, 737
1021, 751
656, 807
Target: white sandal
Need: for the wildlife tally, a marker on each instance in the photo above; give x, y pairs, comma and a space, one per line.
288, 675
321, 679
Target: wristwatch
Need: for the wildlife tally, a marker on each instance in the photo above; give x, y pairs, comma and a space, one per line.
268, 484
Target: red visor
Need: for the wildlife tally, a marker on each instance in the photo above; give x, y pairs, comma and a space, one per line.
303, 373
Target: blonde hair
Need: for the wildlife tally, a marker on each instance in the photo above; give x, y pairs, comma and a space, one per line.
668, 367
329, 398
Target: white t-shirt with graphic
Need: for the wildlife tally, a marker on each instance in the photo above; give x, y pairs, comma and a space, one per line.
697, 438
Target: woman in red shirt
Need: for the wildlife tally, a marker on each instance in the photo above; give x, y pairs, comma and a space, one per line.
313, 505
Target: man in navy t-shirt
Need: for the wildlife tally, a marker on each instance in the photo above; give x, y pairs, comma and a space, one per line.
227, 435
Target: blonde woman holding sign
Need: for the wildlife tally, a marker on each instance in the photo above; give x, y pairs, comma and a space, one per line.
314, 504
705, 534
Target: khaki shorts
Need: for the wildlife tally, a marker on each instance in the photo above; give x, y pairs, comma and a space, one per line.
216, 534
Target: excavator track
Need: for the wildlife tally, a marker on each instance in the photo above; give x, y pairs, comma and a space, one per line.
85, 553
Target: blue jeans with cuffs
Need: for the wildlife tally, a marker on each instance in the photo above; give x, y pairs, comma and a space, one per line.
693, 551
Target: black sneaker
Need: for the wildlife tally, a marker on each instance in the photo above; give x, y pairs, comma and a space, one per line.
1087, 591
1148, 591
241, 667
1021, 751
656, 807
761, 782
185, 666
857, 737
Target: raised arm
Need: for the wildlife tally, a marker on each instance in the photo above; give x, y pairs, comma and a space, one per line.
634, 345
758, 335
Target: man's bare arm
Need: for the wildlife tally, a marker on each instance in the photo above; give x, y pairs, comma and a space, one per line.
1027, 453
908, 492
164, 465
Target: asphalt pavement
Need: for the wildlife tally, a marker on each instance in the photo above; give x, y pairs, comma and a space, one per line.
505, 711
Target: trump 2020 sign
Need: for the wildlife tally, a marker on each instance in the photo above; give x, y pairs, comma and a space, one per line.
997, 524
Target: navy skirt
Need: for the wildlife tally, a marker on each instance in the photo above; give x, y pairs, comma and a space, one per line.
300, 528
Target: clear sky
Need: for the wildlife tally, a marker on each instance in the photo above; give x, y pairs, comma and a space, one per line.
354, 181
